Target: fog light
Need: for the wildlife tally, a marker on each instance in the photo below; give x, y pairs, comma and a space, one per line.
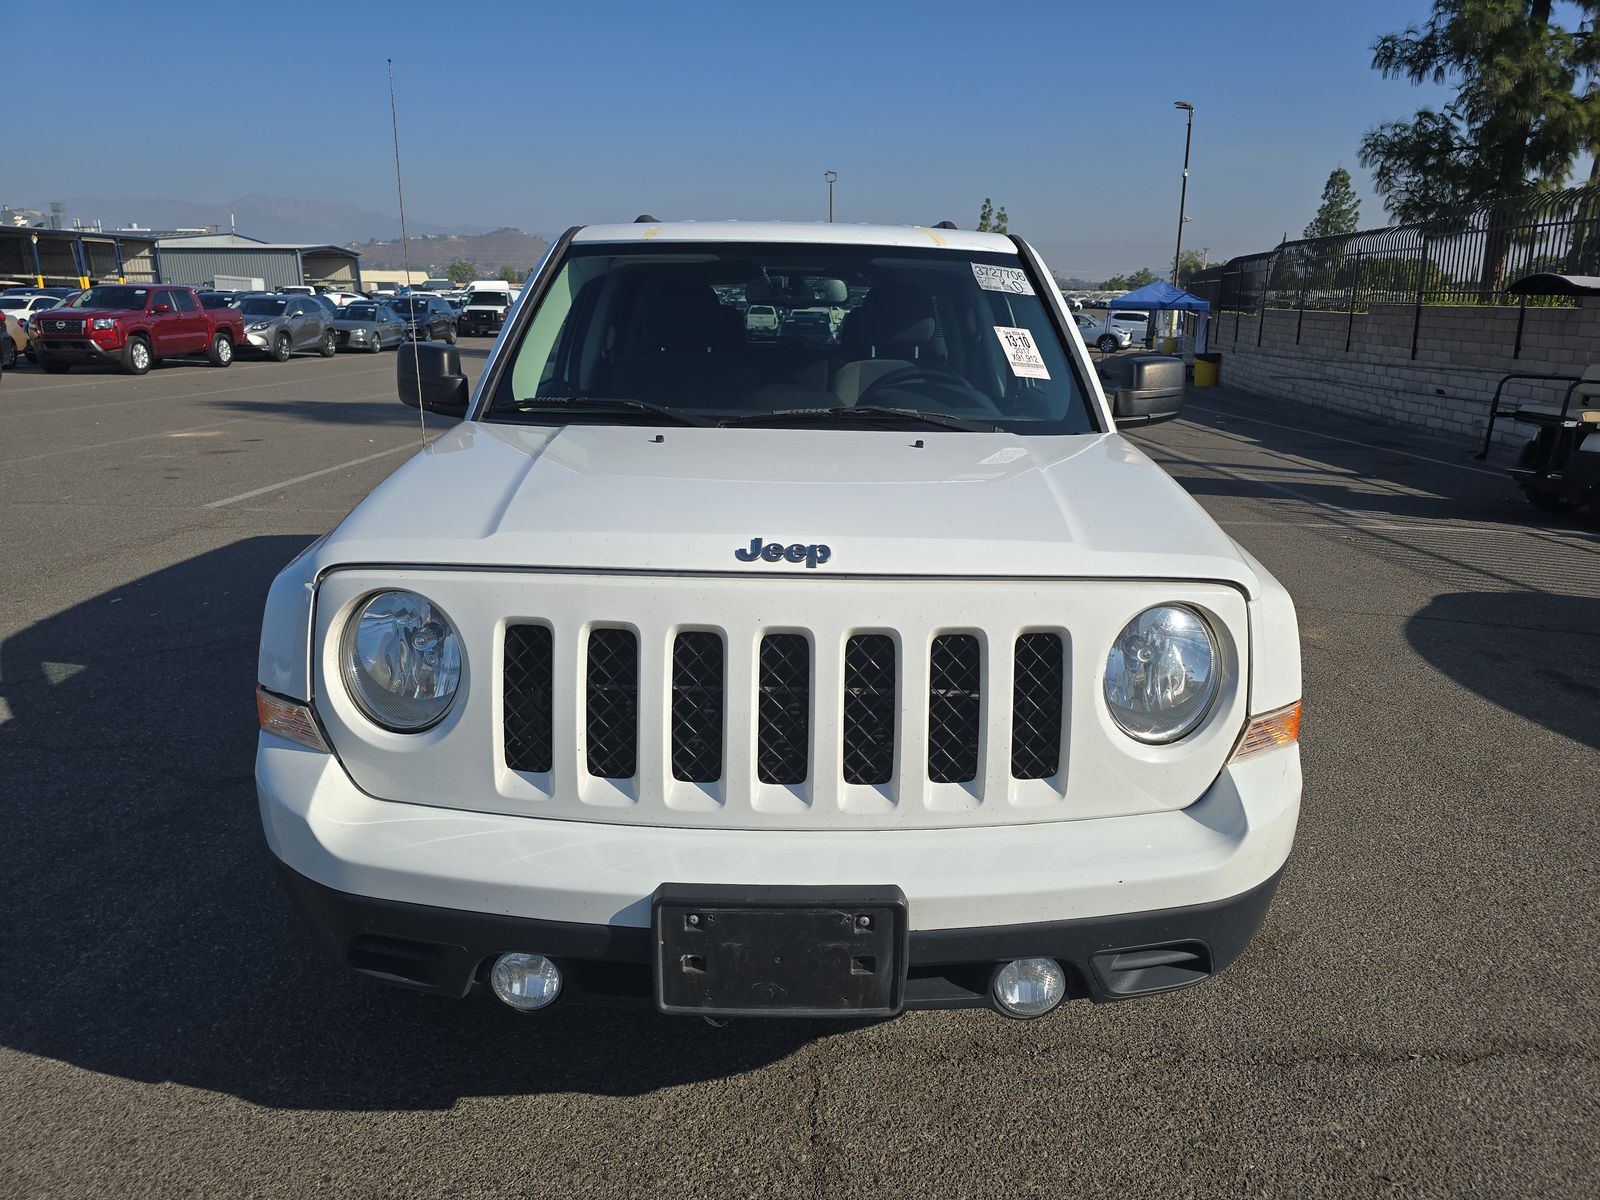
1029, 987
527, 982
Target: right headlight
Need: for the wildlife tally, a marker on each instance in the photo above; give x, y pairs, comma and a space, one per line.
401, 659
1161, 674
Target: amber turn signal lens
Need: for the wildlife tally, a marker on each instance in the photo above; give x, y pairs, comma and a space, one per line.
289, 719
1268, 731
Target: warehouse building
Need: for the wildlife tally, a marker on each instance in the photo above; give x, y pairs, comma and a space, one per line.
76, 257
199, 260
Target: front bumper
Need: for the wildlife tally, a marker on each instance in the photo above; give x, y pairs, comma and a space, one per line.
78, 350
428, 896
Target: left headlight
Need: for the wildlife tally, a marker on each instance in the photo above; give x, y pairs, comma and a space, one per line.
401, 658
1161, 674
104, 323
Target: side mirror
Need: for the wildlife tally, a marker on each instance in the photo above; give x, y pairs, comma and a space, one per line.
1147, 389
431, 374
161, 308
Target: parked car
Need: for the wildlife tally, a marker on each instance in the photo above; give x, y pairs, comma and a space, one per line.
25, 306
762, 319
1136, 323
428, 318
134, 326
297, 289
13, 339
809, 325
1102, 334
368, 325
279, 325
485, 309
327, 305
218, 299
343, 298
910, 683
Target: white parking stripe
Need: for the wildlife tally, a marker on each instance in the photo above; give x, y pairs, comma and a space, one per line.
275, 487
1328, 437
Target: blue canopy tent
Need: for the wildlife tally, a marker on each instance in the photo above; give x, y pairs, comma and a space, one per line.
1162, 297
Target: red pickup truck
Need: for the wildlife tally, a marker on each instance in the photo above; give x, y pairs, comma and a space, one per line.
134, 325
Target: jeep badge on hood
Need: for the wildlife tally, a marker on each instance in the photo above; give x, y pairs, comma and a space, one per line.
812, 556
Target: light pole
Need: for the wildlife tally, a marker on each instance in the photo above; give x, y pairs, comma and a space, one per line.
830, 176
1183, 196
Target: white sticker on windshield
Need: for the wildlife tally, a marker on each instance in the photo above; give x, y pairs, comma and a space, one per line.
1002, 279
1021, 352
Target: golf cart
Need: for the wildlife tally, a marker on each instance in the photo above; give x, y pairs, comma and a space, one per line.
1559, 469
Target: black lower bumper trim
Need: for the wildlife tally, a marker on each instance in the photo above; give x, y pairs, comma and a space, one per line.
449, 951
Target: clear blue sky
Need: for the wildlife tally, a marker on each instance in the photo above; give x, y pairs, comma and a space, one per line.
545, 115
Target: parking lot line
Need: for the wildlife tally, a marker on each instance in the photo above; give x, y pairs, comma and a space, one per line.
274, 487
143, 437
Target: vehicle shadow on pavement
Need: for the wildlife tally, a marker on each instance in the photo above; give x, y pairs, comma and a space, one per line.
146, 933
332, 412
1535, 654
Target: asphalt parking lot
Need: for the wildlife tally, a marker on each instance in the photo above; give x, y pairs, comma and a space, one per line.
1420, 1016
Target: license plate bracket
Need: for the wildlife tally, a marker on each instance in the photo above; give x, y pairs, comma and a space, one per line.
779, 951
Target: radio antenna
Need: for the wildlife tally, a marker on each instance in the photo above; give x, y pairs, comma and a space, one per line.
405, 246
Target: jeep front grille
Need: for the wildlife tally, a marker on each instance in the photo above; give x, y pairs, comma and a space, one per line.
869, 709
697, 702
611, 726
865, 712
1037, 683
954, 695
529, 695
783, 709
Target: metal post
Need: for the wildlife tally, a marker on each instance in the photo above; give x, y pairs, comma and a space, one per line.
38, 268
1416, 315
1522, 315
116, 247
830, 176
1355, 286
1183, 194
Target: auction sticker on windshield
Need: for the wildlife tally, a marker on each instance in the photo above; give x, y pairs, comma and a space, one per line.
1021, 352
1002, 279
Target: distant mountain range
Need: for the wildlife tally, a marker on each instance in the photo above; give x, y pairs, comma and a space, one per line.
270, 218
490, 251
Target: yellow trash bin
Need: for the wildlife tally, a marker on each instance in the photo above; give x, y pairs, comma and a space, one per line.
1169, 345
1206, 369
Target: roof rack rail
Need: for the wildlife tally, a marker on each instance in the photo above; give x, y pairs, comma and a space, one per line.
645, 219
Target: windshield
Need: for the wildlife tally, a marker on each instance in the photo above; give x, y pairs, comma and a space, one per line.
262, 306
493, 299
360, 312
130, 298
962, 335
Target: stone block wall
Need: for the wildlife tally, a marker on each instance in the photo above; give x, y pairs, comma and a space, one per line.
1461, 354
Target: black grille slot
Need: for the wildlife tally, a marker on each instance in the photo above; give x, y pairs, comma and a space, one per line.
1036, 707
953, 708
783, 708
612, 725
697, 671
869, 708
529, 690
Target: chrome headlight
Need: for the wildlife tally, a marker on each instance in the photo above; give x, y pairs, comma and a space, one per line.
402, 661
258, 326
104, 323
1161, 674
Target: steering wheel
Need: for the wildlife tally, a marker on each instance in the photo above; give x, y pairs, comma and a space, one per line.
928, 373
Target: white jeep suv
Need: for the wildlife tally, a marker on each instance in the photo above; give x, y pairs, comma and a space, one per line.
741, 676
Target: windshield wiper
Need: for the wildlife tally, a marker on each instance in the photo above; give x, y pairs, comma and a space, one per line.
595, 404
878, 412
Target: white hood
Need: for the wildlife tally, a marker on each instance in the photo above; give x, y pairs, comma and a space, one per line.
676, 499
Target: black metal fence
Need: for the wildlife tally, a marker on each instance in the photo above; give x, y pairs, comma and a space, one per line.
1467, 257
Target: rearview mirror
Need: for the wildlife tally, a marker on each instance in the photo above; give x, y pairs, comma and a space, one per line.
1147, 389
430, 376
